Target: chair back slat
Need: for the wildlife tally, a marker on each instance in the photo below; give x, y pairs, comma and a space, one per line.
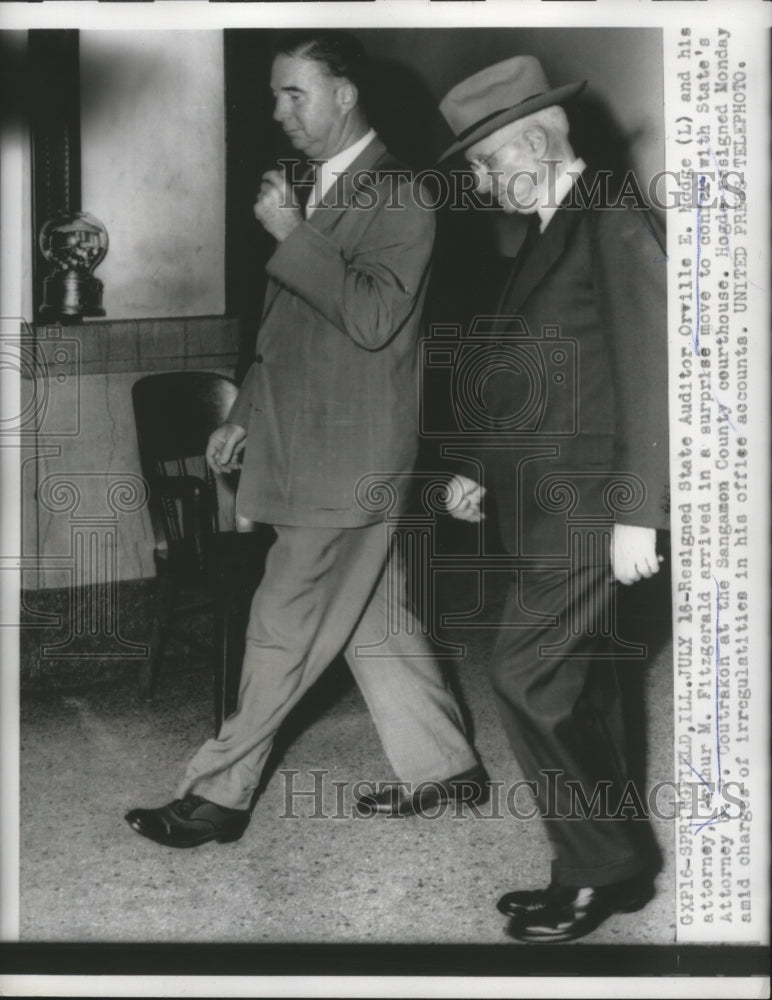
175, 412
172, 522
214, 506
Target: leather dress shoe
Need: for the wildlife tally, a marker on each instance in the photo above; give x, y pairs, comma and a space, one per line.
189, 822
393, 799
563, 913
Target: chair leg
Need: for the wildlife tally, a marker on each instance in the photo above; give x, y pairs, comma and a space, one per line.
167, 592
230, 626
218, 660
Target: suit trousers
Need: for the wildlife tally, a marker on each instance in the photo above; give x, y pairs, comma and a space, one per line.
327, 590
557, 690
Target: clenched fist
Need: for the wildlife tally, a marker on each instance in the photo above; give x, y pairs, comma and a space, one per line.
633, 553
224, 447
274, 209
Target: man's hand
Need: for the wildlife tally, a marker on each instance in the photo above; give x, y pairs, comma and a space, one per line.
464, 497
274, 209
634, 553
223, 451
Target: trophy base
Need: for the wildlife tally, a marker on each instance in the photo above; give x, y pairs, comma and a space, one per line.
71, 295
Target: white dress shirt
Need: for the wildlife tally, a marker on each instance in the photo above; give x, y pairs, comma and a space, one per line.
556, 193
327, 171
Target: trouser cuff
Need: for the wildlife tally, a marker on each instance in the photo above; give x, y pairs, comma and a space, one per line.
598, 876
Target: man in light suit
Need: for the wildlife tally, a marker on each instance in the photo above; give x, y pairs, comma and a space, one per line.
329, 400
574, 451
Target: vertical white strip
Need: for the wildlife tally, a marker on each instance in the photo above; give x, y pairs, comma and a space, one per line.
11, 285
716, 76
756, 43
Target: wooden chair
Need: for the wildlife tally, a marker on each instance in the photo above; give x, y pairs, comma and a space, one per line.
197, 549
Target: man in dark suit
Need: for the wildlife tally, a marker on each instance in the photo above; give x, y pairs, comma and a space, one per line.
574, 453
329, 401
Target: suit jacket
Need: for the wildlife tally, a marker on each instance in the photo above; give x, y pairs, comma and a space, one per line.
332, 394
595, 280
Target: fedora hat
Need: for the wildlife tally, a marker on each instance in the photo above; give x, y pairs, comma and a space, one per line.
498, 95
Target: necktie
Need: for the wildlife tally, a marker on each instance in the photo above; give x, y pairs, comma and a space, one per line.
532, 233
303, 188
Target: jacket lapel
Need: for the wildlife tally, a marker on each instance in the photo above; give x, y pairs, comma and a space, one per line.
341, 194
547, 249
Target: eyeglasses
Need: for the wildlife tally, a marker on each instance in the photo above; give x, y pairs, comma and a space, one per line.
484, 162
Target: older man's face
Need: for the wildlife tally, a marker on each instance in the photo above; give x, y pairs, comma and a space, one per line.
505, 165
307, 105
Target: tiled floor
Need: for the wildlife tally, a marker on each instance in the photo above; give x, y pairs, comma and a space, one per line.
88, 755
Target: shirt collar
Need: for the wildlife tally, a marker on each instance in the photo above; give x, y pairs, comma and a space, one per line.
556, 193
328, 171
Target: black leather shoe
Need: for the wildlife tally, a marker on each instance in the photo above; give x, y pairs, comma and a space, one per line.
394, 800
563, 913
189, 822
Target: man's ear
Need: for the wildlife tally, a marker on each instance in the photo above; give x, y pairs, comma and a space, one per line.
536, 140
347, 96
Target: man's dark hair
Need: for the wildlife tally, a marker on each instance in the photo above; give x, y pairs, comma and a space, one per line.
340, 53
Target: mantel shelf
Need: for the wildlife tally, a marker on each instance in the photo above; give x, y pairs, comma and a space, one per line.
141, 345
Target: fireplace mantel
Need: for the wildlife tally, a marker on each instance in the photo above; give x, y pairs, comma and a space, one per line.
144, 345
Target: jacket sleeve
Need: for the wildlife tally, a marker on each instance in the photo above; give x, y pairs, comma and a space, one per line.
629, 265
242, 404
369, 291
